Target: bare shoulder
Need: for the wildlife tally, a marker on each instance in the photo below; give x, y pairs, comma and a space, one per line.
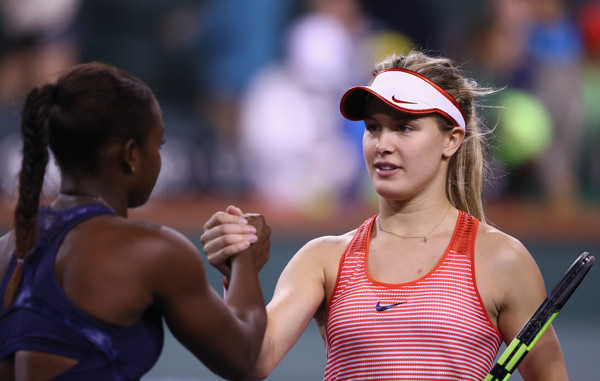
153, 238
326, 248
319, 260
151, 247
498, 245
502, 254
508, 277
166, 258
328, 242
311, 273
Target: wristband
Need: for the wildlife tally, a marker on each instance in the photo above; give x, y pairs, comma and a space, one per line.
225, 286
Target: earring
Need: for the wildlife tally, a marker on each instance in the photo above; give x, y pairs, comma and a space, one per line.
132, 168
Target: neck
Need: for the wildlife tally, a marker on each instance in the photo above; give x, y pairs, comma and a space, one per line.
66, 201
73, 194
414, 219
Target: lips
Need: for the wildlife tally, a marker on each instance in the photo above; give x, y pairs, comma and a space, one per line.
386, 169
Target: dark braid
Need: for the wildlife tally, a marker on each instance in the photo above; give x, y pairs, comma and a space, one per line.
34, 132
91, 106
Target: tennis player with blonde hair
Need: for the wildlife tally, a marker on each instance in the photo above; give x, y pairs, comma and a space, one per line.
425, 289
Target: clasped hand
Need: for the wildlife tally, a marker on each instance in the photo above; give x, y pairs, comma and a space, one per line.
231, 234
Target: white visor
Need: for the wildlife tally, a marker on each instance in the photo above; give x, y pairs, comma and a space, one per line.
406, 91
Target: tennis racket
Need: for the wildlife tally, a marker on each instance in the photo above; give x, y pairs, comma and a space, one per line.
541, 319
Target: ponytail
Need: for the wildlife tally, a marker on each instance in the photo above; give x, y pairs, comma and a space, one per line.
34, 132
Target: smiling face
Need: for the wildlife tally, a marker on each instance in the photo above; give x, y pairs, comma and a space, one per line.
406, 155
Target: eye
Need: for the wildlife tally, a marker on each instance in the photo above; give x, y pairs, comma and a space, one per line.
162, 142
370, 127
404, 128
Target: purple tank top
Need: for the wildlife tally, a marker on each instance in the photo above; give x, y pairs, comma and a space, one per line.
42, 318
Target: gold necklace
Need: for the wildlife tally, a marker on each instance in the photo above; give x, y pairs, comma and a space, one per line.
419, 237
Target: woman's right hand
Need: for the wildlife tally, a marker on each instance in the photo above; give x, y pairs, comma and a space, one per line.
259, 250
232, 233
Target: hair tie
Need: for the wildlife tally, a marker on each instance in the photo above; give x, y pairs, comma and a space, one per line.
58, 94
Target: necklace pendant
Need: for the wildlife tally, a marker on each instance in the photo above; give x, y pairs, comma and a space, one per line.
425, 239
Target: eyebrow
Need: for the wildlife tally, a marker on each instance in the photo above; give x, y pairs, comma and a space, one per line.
400, 118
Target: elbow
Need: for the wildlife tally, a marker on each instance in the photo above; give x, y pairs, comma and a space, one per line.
246, 372
262, 364
238, 374
254, 367
238, 371
252, 374
237, 364
246, 365
243, 356
258, 374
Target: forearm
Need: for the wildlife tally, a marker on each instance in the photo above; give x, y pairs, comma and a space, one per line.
246, 301
287, 318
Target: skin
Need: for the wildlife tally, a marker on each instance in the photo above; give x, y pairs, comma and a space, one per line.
144, 266
407, 160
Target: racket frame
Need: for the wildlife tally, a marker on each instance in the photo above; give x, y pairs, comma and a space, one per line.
541, 319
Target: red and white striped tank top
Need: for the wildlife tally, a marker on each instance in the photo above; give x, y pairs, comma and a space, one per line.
433, 328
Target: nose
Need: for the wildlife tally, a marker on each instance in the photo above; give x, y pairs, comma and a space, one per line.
384, 142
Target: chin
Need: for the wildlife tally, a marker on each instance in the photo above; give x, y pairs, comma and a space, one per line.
391, 189
137, 202
392, 194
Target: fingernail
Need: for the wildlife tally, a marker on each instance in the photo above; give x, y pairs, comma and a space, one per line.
253, 238
251, 229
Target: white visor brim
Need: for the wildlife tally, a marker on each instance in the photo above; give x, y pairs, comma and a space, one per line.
405, 91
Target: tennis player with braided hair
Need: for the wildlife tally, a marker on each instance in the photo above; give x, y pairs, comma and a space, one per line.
84, 289
425, 289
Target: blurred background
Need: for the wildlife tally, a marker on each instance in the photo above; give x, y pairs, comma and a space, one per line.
250, 96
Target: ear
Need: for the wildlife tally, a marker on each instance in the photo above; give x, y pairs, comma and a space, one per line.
128, 156
452, 141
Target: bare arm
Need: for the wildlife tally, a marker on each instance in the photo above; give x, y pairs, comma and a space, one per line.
224, 335
521, 290
300, 290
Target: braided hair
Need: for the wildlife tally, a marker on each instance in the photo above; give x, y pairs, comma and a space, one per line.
89, 107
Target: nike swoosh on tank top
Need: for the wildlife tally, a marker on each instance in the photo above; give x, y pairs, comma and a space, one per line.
439, 329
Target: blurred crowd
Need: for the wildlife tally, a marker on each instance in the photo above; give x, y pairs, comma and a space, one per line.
250, 90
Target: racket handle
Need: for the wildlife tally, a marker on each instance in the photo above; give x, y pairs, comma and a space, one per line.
514, 354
